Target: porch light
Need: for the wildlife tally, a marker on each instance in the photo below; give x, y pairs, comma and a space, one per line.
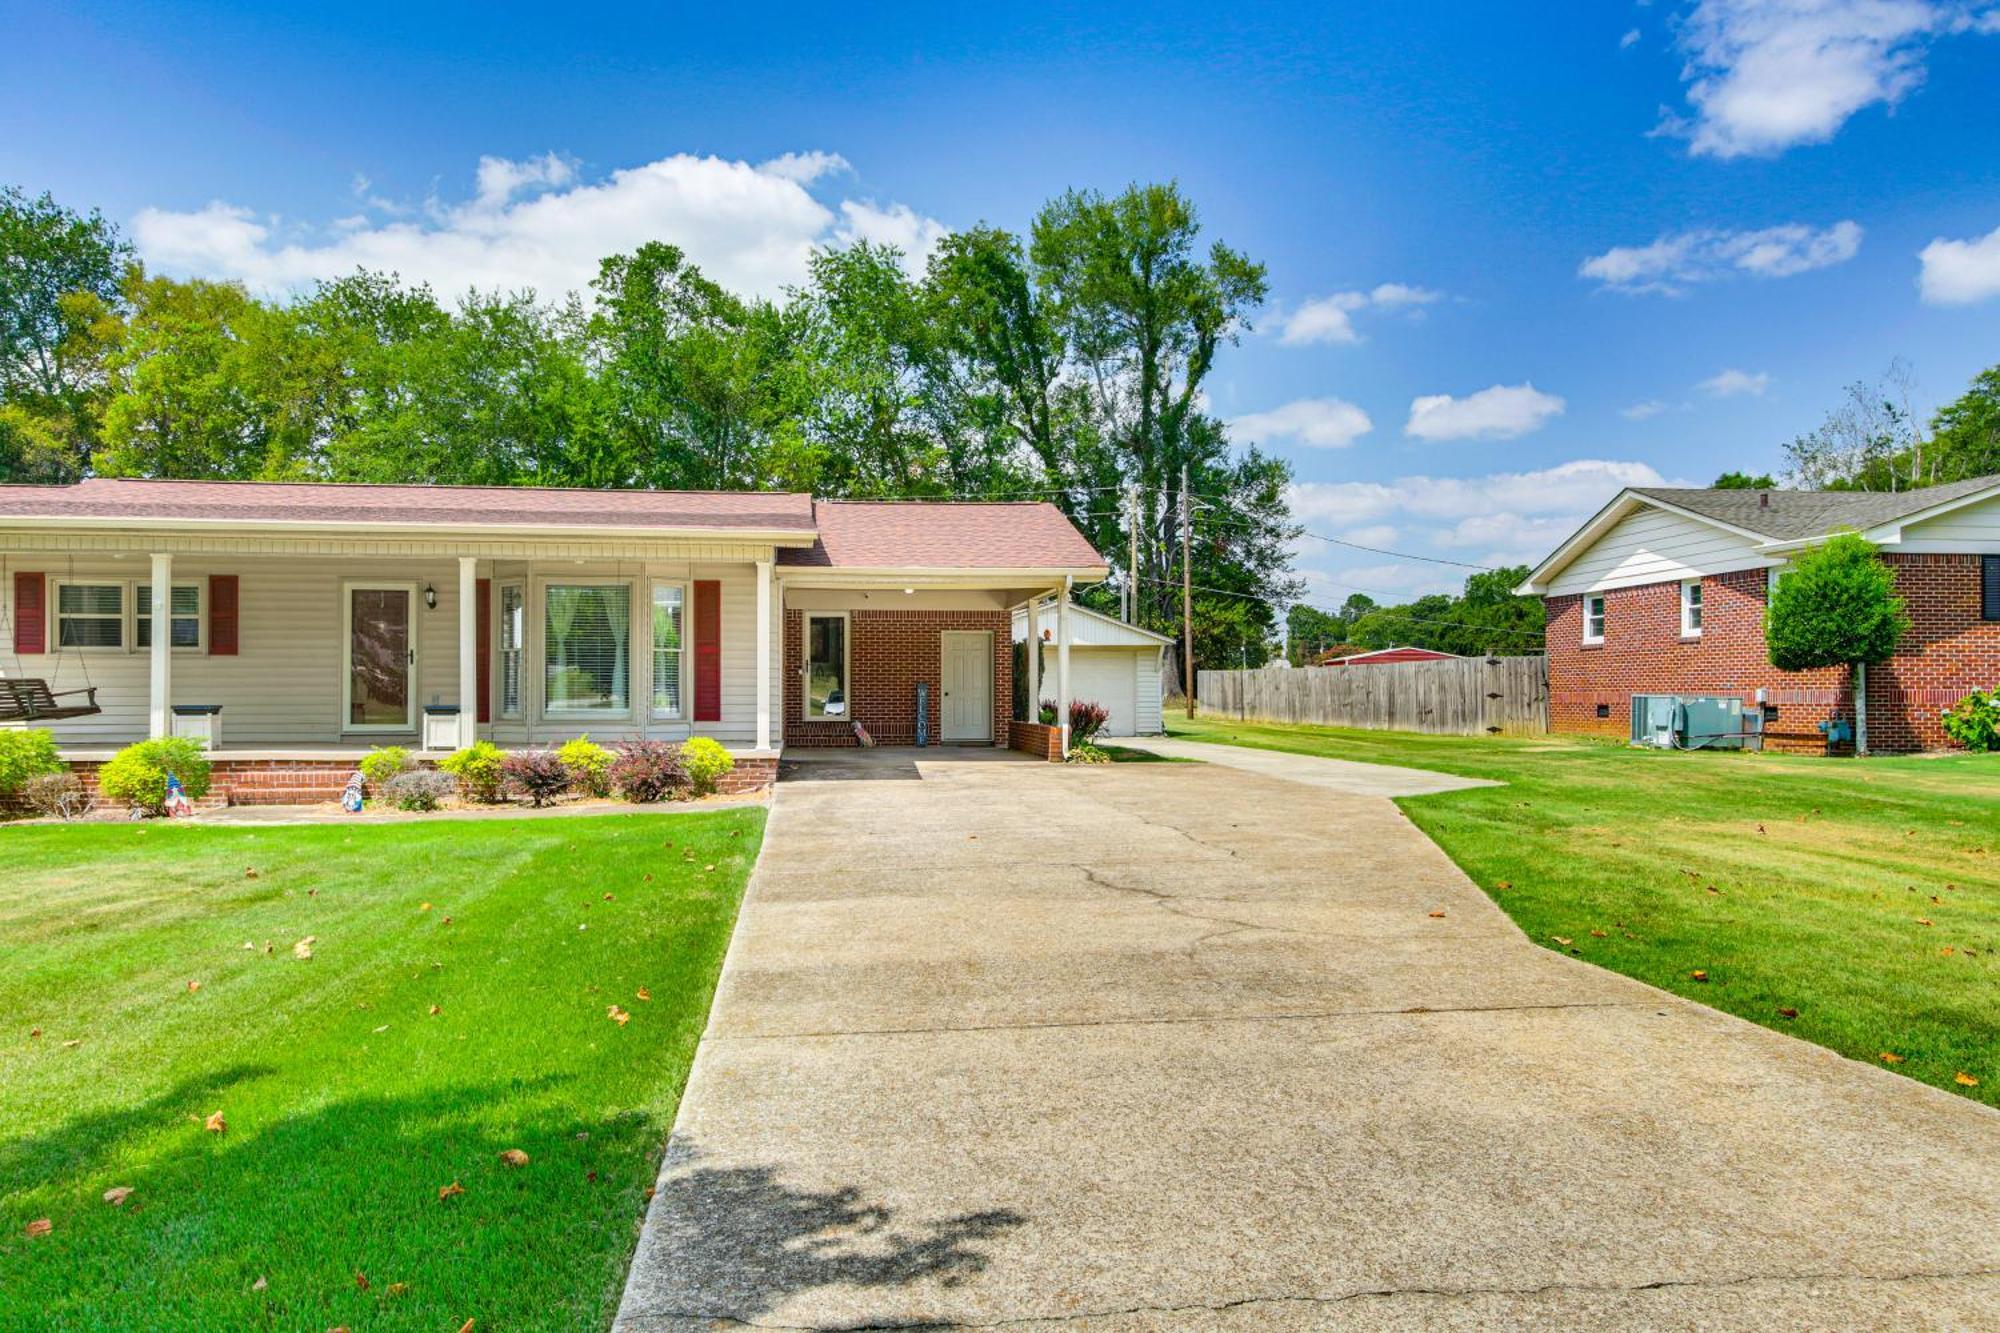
430, 597
909, 592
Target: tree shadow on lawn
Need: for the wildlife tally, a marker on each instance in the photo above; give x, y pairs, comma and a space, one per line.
307, 1200
734, 1243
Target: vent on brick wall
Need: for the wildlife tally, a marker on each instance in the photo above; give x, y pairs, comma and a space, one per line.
1604, 710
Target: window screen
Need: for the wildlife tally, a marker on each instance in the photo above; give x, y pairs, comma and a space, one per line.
90, 615
586, 652
668, 643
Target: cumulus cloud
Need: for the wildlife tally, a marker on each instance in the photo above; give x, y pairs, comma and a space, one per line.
1672, 263
1765, 75
1499, 413
1322, 423
1330, 319
1734, 383
537, 224
1629, 40
1960, 272
1652, 407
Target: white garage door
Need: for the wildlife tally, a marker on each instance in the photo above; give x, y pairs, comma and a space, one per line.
1107, 676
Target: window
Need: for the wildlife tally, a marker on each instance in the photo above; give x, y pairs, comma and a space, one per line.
586, 648
1593, 618
1989, 587
90, 615
185, 613
513, 635
826, 666
1691, 608
669, 642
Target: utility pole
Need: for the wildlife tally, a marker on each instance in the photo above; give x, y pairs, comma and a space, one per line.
1187, 592
1132, 554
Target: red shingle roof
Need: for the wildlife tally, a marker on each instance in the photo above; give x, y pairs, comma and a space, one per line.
320, 502
920, 534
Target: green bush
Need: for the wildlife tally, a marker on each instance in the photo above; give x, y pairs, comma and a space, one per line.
1974, 721
419, 789
378, 766
24, 755
137, 775
589, 765
706, 762
477, 768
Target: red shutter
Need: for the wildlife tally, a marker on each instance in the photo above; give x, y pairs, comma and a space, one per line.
707, 650
31, 632
483, 653
222, 615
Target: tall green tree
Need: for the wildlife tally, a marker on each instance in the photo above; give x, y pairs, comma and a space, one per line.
1743, 481
1837, 607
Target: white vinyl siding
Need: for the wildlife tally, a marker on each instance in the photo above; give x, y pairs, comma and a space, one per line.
1973, 528
1654, 546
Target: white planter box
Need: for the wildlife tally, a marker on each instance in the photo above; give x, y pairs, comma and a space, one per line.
204, 726
440, 731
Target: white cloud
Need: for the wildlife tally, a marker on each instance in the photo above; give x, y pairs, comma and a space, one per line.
1375, 534
1322, 423
1652, 407
1629, 40
1499, 413
1961, 272
1582, 485
1672, 262
536, 224
1735, 383
1765, 75
1329, 319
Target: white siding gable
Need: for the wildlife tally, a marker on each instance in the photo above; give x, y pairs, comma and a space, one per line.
1656, 546
1976, 527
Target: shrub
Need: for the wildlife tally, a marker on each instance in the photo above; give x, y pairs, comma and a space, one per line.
24, 755
1086, 719
477, 768
589, 765
58, 794
537, 774
1083, 752
418, 789
137, 775
1045, 712
706, 763
1974, 721
648, 771
378, 766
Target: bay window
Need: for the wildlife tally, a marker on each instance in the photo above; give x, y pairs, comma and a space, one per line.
586, 648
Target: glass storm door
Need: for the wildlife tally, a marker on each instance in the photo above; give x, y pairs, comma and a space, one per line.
381, 657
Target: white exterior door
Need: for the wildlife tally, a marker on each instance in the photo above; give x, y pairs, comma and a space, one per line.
1107, 676
966, 711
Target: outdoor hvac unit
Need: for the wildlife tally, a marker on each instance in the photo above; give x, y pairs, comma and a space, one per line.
1695, 722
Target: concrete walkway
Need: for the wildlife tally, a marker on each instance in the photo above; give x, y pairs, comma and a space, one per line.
1178, 1046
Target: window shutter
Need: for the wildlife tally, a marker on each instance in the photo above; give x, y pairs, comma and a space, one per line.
707, 650
31, 625
1989, 587
482, 655
222, 615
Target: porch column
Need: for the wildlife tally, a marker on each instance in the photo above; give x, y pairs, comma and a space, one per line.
468, 650
160, 715
763, 654
1062, 665
1034, 660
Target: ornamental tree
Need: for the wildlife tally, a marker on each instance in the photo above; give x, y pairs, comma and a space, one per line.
1837, 606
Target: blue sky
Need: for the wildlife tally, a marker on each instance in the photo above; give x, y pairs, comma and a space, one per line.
1519, 254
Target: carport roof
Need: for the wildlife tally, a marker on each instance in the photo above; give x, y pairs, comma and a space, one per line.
970, 535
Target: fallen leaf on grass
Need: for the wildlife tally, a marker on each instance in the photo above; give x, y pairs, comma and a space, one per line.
445, 922
1699, 975
73, 1043
1560, 939
215, 1124
398, 1288
1504, 884
1964, 1080
361, 1282
607, 897
41, 1226
250, 872
435, 1011
423, 907
706, 869
644, 994
1890, 1058
193, 986
117, 1194
384, 1028
34, 1032
1924, 921
304, 948
466, 1327
260, 1285
1946, 952
1788, 1013
1435, 916
1598, 934
450, 1191
617, 1015
514, 1157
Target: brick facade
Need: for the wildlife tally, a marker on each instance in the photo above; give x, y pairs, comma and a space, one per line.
890, 653
1949, 651
1033, 738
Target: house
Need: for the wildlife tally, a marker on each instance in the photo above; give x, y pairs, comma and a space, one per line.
1388, 657
305, 623
1663, 592
1111, 663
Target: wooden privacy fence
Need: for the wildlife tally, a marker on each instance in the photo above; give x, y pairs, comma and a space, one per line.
1470, 696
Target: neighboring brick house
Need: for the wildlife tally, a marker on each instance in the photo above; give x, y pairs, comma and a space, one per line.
1664, 591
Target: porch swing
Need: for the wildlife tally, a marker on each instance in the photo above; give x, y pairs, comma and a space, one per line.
29, 698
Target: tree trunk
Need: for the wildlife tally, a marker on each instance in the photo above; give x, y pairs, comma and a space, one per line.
1860, 709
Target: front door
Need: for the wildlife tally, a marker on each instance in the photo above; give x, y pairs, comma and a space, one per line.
380, 691
967, 706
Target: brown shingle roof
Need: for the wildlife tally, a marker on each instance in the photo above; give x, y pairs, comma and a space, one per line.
1792, 514
320, 502
916, 534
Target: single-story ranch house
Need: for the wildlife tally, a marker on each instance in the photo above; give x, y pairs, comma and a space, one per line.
1663, 592
295, 626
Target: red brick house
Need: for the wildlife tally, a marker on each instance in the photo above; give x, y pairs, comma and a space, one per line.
1663, 592
295, 626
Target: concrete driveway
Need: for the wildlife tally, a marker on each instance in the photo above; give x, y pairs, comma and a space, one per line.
1179, 1046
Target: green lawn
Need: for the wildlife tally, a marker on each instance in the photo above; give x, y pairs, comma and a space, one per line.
1864, 895
455, 1006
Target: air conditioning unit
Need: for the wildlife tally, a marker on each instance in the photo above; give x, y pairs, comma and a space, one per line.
1695, 722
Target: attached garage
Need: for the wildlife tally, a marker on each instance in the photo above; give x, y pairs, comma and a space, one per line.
1110, 663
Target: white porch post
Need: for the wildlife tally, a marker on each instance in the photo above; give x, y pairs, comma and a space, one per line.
1034, 659
161, 713
468, 649
763, 654
1062, 665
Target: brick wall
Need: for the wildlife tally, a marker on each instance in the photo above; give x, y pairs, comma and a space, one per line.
1035, 739
1948, 652
891, 652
